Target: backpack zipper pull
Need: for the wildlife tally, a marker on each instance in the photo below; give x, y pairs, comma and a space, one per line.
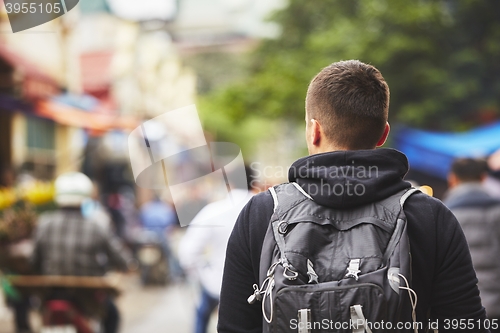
267, 285
292, 275
256, 296
353, 269
313, 277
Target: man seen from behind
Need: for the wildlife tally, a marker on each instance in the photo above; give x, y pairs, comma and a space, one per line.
347, 106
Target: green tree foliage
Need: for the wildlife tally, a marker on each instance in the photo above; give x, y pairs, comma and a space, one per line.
441, 59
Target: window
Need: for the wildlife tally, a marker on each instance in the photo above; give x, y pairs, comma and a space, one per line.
41, 133
40, 143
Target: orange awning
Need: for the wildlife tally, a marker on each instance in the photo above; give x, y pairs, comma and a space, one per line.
67, 115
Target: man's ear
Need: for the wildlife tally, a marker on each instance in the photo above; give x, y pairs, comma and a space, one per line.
315, 132
452, 180
384, 136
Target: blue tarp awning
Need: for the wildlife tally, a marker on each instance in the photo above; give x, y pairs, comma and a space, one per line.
433, 152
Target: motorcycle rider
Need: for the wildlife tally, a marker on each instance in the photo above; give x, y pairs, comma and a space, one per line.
159, 219
67, 243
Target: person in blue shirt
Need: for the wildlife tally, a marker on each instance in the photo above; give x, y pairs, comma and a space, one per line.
159, 217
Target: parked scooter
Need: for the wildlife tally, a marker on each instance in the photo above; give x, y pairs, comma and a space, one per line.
153, 263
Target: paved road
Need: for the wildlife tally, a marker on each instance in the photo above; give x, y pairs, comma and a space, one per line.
146, 310
156, 310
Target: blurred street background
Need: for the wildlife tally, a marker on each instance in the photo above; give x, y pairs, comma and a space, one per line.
144, 310
73, 89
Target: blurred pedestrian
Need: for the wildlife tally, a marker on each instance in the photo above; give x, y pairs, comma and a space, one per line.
202, 250
20, 304
479, 215
492, 180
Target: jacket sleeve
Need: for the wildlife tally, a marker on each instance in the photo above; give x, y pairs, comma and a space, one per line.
236, 315
118, 256
39, 234
36, 256
455, 296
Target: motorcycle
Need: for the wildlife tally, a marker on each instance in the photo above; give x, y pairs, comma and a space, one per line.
152, 259
68, 304
61, 316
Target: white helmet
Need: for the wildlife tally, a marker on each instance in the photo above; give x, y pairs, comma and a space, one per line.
72, 188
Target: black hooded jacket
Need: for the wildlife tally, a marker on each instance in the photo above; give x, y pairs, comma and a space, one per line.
443, 276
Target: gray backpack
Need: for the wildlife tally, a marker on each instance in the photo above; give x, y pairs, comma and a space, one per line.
344, 270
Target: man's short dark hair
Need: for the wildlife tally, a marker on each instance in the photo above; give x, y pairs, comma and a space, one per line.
469, 169
350, 100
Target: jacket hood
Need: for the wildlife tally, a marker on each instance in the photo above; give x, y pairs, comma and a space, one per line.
346, 179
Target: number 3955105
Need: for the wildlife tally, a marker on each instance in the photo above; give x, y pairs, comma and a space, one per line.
33, 8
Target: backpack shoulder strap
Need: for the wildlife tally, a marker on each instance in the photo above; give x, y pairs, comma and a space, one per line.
272, 190
285, 196
406, 195
400, 225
